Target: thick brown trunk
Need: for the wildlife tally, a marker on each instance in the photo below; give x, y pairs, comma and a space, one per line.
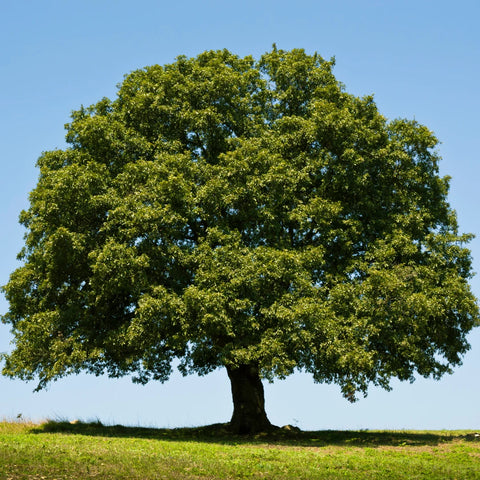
248, 400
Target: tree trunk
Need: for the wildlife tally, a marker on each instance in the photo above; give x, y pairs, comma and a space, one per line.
248, 400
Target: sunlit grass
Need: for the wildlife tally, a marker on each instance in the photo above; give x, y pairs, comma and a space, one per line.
60, 450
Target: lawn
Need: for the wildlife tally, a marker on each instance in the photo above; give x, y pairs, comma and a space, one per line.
60, 450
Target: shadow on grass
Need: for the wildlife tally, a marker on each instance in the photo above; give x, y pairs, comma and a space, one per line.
218, 433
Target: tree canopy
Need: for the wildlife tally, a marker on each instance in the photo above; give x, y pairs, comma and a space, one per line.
240, 213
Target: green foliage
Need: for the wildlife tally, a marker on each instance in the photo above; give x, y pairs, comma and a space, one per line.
224, 211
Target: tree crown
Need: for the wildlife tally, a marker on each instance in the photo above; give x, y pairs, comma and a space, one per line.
225, 211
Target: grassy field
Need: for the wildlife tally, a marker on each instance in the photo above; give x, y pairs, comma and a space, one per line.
60, 450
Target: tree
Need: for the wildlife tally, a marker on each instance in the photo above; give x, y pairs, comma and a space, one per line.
252, 215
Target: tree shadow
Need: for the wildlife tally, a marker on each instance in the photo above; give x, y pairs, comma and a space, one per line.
287, 436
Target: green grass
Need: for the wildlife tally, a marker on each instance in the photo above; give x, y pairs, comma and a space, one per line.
60, 450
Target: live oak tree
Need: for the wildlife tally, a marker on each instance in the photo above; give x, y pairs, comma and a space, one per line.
252, 215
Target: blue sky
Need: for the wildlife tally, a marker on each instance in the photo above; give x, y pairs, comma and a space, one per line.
421, 60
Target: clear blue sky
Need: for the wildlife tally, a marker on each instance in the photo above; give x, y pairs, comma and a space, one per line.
420, 58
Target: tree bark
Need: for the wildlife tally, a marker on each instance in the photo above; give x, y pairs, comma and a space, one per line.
248, 400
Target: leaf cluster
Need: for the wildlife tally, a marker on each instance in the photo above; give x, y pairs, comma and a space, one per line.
226, 211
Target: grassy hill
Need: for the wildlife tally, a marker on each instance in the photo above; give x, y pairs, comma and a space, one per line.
60, 450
